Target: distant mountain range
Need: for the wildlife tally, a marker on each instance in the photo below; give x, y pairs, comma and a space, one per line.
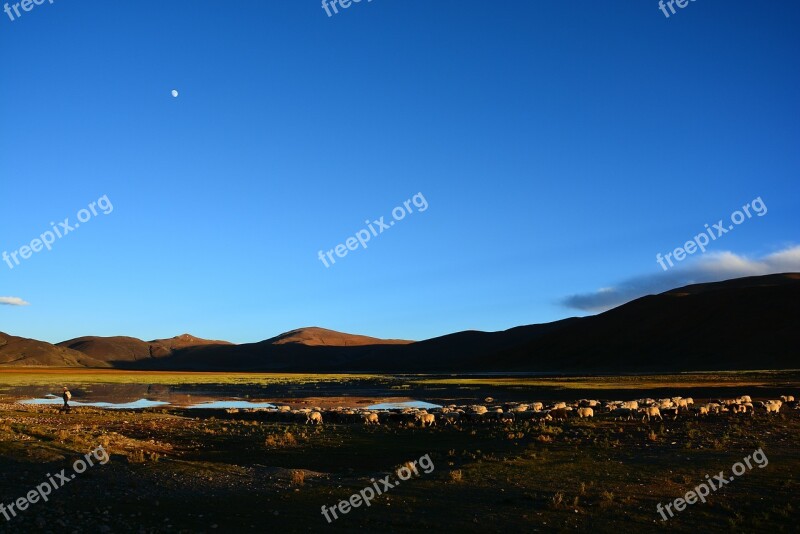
745, 323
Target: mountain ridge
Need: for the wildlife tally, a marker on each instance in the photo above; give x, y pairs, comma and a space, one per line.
743, 323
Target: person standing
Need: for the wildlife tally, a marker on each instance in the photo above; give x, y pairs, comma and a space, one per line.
66, 396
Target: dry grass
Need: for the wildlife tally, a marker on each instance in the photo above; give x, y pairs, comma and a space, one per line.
786, 378
279, 441
46, 377
298, 477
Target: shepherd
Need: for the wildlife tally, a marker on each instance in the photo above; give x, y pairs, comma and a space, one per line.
66, 396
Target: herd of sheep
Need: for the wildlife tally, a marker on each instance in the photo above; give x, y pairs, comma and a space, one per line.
509, 413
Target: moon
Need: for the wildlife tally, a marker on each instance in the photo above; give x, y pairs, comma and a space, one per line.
175, 93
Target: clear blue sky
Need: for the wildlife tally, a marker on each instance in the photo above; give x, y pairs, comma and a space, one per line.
560, 145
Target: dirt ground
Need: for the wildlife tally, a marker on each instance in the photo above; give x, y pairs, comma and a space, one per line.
177, 470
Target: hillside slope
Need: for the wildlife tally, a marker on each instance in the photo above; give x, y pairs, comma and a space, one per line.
118, 349
19, 352
746, 323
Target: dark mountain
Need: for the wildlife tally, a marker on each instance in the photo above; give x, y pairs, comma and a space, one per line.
23, 352
118, 349
319, 337
746, 323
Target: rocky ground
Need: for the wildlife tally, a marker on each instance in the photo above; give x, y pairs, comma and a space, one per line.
174, 471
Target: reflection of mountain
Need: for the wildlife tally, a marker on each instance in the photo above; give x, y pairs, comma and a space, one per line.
747, 323
125, 393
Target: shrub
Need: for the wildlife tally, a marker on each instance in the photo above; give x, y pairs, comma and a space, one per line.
280, 440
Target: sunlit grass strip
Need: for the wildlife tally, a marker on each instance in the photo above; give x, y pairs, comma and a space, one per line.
689, 380
27, 377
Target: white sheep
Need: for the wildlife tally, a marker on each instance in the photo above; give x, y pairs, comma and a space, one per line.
315, 418
651, 411
631, 405
426, 419
371, 419
740, 408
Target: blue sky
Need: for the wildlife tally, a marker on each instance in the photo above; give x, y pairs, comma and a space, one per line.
559, 146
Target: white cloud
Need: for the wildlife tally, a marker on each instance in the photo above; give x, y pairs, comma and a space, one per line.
712, 267
13, 301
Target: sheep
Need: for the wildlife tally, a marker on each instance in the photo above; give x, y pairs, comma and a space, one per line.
623, 413
773, 406
787, 398
585, 412
745, 398
315, 418
559, 406
537, 406
558, 414
670, 412
541, 416
451, 418
631, 405
740, 408
506, 418
426, 419
702, 410
371, 419
651, 411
